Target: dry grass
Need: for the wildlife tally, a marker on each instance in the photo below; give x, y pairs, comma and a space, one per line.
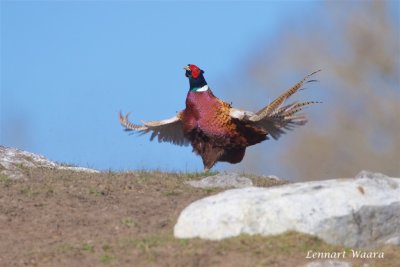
64, 218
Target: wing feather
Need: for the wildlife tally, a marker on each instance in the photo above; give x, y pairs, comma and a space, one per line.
168, 130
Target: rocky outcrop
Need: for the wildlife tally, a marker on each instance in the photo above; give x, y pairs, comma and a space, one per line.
356, 212
12, 162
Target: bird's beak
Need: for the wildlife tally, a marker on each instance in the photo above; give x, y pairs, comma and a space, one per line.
186, 68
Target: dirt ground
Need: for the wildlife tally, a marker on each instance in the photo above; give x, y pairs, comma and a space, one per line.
65, 218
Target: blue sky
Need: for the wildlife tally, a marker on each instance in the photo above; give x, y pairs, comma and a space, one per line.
69, 67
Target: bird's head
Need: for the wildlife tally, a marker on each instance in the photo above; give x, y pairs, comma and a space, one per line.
196, 78
192, 71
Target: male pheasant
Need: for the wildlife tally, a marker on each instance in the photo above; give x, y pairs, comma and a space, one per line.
216, 130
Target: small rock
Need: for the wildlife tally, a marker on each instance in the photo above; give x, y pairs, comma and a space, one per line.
370, 175
222, 180
393, 241
328, 263
274, 177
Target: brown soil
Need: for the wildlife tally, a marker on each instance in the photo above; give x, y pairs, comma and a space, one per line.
65, 218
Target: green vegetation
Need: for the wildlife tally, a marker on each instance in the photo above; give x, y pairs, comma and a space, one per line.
128, 222
88, 248
5, 180
106, 258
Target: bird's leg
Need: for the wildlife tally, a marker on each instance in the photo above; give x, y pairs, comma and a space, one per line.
206, 169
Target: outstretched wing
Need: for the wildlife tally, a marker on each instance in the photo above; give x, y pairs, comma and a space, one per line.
276, 117
168, 130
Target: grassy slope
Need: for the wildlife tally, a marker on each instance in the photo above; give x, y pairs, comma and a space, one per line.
63, 218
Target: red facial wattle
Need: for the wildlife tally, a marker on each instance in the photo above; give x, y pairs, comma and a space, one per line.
195, 71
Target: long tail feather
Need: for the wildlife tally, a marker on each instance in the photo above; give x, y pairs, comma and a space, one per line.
278, 102
278, 117
295, 108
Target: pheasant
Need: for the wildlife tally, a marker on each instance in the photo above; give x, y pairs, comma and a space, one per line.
217, 131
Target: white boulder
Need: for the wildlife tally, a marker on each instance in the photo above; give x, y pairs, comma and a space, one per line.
356, 212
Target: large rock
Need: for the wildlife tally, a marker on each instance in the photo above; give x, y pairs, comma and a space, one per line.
13, 160
357, 212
